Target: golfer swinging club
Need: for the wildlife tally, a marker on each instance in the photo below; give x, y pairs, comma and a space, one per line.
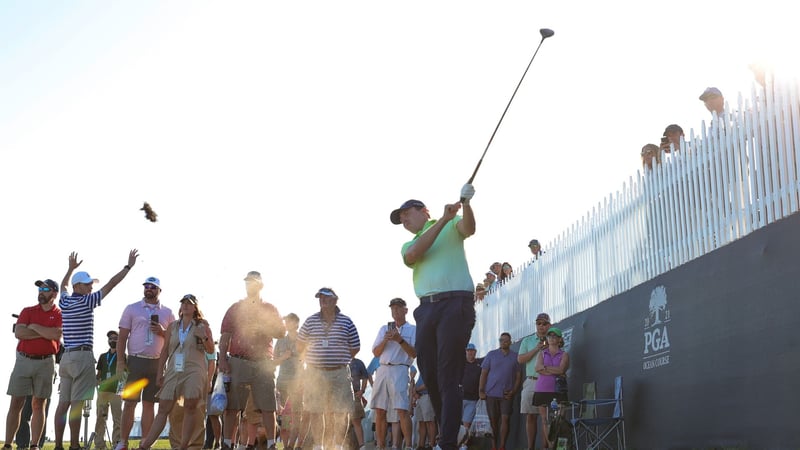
446, 313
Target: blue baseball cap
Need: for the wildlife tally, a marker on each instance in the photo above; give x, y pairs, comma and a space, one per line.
395, 216
471, 346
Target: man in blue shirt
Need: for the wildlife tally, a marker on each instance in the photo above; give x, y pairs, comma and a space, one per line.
500, 380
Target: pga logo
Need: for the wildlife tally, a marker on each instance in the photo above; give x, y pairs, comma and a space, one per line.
656, 331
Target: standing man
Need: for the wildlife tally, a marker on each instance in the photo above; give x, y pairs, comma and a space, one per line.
77, 367
446, 314
245, 349
290, 381
141, 333
330, 340
107, 380
360, 378
394, 346
500, 379
38, 330
470, 384
714, 101
529, 348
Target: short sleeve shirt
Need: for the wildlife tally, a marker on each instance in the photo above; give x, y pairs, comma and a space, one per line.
444, 267
36, 314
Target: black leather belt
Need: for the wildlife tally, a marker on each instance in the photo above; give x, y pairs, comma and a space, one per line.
29, 356
246, 358
395, 364
444, 296
328, 368
79, 348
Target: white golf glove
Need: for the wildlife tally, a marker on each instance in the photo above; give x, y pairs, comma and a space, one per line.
467, 192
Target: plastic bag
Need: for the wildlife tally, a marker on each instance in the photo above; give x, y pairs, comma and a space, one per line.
481, 426
219, 399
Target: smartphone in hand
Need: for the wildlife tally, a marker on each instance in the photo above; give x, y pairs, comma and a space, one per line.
154, 319
391, 326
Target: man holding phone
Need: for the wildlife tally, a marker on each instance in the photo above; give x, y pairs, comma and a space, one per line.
394, 346
529, 348
141, 339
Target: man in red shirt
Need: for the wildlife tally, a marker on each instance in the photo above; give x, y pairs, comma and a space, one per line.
39, 331
245, 354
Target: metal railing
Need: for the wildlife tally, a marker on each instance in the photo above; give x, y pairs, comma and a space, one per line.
738, 175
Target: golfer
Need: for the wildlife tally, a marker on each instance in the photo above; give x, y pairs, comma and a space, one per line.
446, 313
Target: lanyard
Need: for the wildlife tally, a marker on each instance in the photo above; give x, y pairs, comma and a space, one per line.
110, 360
183, 333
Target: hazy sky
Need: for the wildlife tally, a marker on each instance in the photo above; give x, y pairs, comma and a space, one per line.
278, 136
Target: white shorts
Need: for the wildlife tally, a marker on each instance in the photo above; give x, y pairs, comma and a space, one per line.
391, 389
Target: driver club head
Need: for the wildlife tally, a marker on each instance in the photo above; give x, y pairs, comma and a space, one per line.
546, 33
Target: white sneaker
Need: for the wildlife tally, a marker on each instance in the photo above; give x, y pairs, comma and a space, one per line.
463, 447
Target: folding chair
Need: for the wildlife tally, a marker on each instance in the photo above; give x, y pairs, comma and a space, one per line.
593, 430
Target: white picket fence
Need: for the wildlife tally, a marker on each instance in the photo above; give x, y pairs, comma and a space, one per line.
738, 175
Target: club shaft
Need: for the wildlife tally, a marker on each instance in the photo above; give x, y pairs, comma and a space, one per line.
488, 144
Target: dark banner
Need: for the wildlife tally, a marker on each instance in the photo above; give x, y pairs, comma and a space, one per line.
708, 351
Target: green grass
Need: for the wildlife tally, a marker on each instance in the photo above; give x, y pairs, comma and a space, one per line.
132, 444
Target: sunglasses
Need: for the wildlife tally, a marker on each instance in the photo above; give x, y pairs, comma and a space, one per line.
44, 289
189, 298
150, 286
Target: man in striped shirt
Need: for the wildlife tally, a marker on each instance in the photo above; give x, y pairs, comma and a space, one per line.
76, 369
330, 340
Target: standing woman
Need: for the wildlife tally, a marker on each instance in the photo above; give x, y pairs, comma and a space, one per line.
551, 362
183, 370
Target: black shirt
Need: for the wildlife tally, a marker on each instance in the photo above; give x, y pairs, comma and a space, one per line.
107, 368
472, 379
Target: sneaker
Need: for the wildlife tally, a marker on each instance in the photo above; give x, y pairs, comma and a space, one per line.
224, 447
120, 446
463, 447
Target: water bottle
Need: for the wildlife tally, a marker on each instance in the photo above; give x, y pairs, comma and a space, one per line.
226, 381
554, 408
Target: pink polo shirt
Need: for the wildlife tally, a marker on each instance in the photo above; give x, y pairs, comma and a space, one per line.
136, 318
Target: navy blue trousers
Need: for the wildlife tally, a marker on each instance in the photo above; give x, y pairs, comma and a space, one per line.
443, 332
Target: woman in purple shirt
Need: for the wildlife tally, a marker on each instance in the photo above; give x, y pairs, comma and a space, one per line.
551, 362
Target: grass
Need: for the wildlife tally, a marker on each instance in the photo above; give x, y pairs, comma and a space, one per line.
132, 444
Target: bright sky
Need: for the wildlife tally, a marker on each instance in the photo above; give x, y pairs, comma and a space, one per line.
278, 136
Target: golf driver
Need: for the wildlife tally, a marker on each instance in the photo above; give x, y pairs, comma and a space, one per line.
546, 33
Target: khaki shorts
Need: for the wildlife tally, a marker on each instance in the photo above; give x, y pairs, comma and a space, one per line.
358, 409
328, 391
526, 397
77, 374
291, 391
32, 377
424, 410
249, 376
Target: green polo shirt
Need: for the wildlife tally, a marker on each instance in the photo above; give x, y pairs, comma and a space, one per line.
443, 268
528, 344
